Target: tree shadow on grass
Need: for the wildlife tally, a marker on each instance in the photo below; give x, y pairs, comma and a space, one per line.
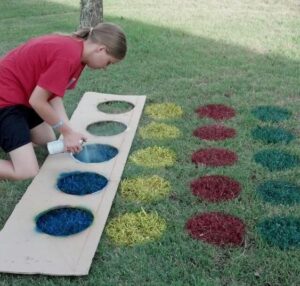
167, 65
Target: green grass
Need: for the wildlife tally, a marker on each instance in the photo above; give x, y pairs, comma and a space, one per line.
106, 128
192, 52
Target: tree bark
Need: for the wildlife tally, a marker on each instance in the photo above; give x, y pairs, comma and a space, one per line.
91, 13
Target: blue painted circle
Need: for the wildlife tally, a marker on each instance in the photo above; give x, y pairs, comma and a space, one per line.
81, 183
64, 221
96, 153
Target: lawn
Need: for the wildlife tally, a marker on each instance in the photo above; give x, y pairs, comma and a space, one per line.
243, 54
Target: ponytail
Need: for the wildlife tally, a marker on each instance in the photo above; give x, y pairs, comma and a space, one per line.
107, 34
82, 33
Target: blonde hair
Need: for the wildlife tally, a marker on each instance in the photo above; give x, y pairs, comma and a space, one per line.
107, 34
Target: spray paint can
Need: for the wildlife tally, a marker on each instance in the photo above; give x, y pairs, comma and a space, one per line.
55, 147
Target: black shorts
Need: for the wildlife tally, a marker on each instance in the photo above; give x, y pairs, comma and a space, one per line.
15, 124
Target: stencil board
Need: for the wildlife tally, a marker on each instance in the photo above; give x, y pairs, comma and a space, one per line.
25, 250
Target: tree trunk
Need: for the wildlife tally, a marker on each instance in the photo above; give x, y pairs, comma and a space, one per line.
91, 13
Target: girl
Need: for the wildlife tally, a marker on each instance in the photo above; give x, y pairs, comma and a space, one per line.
33, 80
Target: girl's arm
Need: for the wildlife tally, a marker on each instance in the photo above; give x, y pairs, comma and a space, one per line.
51, 113
58, 105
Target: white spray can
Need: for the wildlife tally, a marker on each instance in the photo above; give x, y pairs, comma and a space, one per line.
55, 147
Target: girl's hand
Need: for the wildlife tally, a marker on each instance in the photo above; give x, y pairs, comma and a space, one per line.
73, 141
55, 115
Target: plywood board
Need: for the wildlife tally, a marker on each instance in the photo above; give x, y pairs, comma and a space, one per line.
27, 251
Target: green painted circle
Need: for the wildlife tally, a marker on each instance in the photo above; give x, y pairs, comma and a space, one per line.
272, 135
275, 160
279, 192
106, 128
115, 106
283, 232
271, 113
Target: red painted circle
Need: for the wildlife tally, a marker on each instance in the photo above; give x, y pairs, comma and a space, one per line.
216, 111
215, 188
214, 157
214, 132
217, 228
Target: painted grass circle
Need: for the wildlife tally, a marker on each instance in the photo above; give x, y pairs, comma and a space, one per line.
283, 232
115, 106
279, 192
96, 153
215, 188
217, 228
272, 135
216, 111
275, 160
153, 157
145, 189
81, 183
214, 132
159, 131
135, 228
106, 128
163, 110
271, 113
214, 157
64, 221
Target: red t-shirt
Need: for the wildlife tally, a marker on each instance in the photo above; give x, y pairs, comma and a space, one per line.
52, 62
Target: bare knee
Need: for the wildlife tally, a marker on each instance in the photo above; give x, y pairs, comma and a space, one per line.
10, 172
23, 164
28, 173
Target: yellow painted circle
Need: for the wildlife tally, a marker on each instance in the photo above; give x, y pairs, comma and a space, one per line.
135, 228
154, 157
163, 110
159, 131
145, 189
